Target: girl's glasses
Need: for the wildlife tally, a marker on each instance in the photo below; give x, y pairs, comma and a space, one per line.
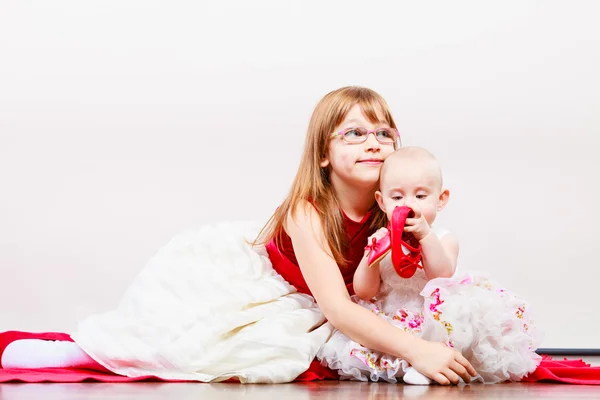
360, 135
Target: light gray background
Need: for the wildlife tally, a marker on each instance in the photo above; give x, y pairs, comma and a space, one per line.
123, 123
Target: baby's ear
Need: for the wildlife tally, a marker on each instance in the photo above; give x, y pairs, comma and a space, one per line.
443, 200
379, 199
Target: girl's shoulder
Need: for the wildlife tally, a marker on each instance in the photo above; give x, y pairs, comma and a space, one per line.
304, 215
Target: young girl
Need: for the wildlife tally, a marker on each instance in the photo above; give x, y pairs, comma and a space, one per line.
210, 307
489, 325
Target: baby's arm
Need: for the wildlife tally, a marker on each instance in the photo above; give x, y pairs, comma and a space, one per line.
366, 279
439, 255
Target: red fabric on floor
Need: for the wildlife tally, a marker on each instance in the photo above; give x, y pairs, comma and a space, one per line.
65, 375
575, 372
565, 371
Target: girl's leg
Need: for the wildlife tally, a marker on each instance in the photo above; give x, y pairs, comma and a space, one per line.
37, 353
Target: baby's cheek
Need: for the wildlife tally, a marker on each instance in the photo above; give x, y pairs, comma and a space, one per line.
389, 208
386, 151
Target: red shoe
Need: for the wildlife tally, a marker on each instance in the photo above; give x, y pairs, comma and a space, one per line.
396, 241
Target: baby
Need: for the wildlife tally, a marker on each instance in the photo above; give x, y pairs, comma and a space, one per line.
490, 326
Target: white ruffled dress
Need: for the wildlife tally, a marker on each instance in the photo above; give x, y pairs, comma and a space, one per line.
491, 326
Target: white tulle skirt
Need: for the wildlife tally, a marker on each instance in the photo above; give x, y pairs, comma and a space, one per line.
208, 307
491, 327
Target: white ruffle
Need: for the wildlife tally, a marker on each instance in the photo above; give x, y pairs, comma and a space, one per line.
492, 327
208, 307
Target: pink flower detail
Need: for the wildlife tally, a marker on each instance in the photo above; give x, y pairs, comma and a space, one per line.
416, 322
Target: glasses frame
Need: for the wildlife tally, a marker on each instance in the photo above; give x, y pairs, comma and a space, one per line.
397, 143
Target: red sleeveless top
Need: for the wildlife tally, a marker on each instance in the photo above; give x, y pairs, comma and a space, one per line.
285, 263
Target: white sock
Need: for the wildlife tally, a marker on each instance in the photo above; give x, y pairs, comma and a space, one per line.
414, 377
37, 353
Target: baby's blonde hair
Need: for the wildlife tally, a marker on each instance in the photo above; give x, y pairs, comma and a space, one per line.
411, 153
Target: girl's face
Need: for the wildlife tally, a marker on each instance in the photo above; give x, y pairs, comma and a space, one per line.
356, 164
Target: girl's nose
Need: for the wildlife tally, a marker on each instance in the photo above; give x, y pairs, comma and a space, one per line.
372, 144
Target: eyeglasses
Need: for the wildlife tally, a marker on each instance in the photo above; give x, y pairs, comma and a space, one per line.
360, 135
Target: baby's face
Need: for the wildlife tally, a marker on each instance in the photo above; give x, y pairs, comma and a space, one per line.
417, 185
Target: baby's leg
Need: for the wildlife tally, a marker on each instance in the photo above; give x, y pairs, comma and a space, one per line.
414, 377
37, 353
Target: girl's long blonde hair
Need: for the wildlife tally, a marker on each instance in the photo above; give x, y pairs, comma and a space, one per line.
312, 180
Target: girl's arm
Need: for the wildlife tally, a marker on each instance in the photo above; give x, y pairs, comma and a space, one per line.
326, 283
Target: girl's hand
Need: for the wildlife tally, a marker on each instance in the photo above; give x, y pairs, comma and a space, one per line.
417, 225
441, 363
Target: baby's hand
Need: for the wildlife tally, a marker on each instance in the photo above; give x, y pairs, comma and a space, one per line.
417, 225
378, 235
